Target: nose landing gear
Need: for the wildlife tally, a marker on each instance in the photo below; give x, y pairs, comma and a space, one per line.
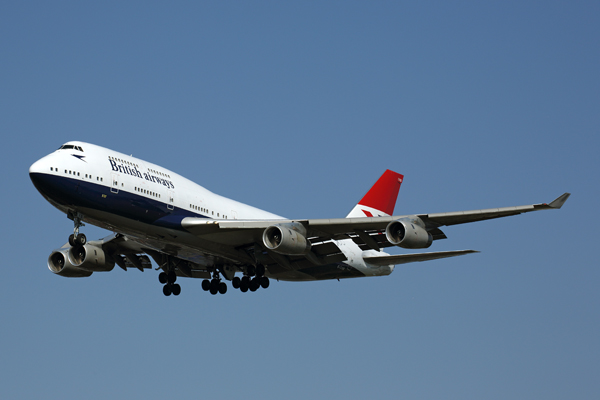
77, 239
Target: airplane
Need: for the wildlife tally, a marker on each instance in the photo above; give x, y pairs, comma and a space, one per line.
191, 232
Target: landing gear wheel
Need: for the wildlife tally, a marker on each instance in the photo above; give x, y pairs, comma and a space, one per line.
214, 286
254, 285
167, 290
162, 278
260, 270
222, 288
264, 282
72, 239
235, 282
80, 239
243, 287
176, 289
206, 285
171, 277
251, 270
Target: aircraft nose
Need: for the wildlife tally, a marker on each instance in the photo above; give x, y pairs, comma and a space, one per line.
37, 167
39, 173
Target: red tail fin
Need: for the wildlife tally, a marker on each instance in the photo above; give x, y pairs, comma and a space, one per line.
381, 198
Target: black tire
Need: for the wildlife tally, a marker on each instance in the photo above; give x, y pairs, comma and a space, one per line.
235, 282
167, 290
72, 239
251, 270
171, 276
162, 278
222, 288
244, 286
176, 289
213, 290
254, 285
206, 285
214, 285
264, 282
245, 281
260, 270
81, 239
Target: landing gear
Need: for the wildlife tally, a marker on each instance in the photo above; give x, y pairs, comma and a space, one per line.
168, 279
77, 239
252, 280
171, 288
215, 285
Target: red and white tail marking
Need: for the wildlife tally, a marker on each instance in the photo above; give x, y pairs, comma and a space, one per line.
380, 200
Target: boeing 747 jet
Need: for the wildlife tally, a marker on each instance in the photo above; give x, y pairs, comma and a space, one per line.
191, 232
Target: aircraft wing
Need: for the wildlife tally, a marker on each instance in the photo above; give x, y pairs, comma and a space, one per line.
367, 232
462, 217
241, 241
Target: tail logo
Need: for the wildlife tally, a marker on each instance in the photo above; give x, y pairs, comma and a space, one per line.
381, 198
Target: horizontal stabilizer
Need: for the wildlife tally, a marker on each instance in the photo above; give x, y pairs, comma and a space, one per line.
408, 258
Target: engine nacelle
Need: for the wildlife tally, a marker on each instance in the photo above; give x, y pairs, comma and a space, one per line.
59, 263
90, 258
408, 233
286, 239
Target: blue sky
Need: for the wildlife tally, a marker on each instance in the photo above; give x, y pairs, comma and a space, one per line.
297, 108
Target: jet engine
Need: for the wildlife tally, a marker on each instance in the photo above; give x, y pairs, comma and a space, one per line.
90, 258
59, 263
409, 233
79, 261
286, 239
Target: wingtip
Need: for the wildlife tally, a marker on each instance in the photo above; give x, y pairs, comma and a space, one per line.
559, 201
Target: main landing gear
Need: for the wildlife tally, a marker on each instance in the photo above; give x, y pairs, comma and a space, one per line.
168, 279
252, 280
77, 239
215, 285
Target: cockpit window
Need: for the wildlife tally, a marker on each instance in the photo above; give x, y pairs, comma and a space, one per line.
70, 146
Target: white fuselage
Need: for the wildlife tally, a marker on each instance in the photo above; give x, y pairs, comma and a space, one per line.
131, 196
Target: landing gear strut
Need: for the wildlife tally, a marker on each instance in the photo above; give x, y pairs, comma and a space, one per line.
77, 239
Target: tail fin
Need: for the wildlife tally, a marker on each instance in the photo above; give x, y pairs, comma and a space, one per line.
380, 200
